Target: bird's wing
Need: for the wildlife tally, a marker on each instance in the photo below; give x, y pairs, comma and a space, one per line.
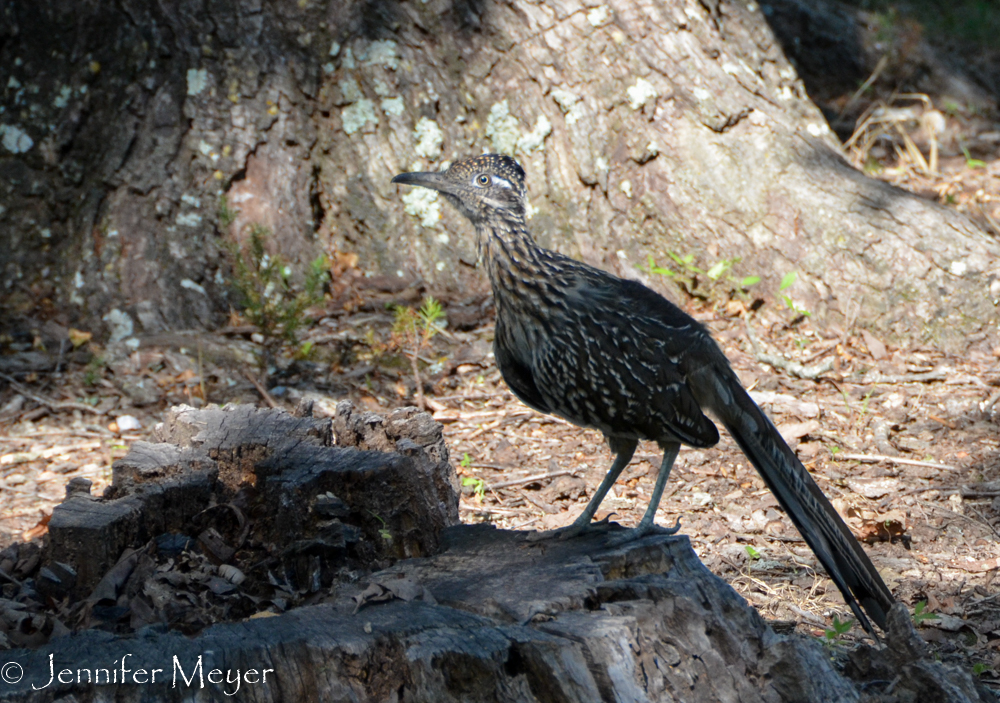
620, 372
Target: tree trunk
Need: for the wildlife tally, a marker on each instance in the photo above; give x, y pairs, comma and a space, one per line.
646, 128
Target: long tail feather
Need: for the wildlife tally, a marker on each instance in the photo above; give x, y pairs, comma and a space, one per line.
816, 519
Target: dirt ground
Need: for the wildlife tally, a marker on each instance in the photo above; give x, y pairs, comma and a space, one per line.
903, 442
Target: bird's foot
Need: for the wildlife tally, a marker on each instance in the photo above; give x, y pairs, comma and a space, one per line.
571, 531
643, 529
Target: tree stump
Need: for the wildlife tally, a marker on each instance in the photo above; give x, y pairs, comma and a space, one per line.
396, 601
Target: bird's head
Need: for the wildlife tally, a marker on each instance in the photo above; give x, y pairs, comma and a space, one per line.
483, 188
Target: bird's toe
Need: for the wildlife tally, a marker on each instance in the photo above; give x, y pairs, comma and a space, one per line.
571, 531
642, 530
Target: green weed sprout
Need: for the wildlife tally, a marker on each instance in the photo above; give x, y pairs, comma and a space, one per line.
413, 330
478, 485
920, 613
270, 301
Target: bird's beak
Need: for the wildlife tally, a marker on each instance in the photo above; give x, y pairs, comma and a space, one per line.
425, 179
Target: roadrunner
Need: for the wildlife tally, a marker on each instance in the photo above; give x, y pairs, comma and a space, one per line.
608, 353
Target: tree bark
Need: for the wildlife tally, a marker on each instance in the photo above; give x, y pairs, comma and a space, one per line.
646, 128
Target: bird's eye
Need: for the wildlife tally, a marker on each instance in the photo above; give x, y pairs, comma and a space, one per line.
482, 179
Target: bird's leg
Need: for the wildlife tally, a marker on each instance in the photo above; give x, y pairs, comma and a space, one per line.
648, 525
624, 449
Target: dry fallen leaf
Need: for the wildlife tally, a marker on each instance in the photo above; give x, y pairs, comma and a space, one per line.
883, 530
877, 349
873, 487
791, 431
79, 337
40, 528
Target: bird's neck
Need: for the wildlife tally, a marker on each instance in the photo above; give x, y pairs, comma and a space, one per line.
507, 249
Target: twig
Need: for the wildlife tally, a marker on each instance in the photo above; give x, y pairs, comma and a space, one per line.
880, 429
987, 406
849, 318
62, 351
894, 460
260, 389
806, 615
980, 601
879, 67
503, 512
522, 525
471, 396
984, 521
201, 374
989, 218
876, 377
830, 346
942, 421
419, 387
547, 509
528, 479
973, 492
51, 404
924, 489
497, 467
979, 522
810, 373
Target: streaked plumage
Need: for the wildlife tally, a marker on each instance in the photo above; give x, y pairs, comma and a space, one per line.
609, 353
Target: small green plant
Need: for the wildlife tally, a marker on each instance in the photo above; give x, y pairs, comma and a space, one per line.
834, 450
650, 268
872, 165
980, 668
886, 25
969, 161
305, 350
839, 629
226, 214
95, 370
787, 282
271, 302
864, 401
478, 486
847, 399
412, 331
795, 307
688, 272
685, 262
466, 461
753, 553
720, 268
920, 613
383, 531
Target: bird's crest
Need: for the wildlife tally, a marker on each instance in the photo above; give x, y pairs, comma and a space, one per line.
498, 165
